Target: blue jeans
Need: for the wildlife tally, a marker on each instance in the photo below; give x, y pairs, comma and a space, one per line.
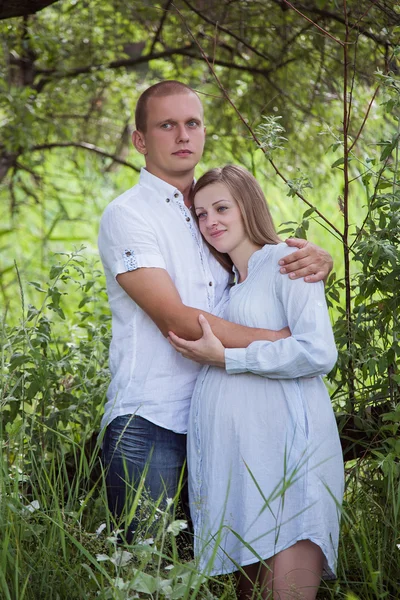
134, 448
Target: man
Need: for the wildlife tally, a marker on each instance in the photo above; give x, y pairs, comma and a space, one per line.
160, 278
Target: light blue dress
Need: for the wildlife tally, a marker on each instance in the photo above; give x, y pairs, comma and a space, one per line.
264, 455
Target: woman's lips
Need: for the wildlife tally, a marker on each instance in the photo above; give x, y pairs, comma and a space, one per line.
217, 233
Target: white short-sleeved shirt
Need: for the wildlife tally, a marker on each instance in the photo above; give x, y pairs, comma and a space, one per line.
150, 226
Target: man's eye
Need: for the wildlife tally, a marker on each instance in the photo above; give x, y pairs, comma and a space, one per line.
193, 123
166, 126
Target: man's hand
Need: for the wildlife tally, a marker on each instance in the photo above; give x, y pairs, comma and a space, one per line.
208, 350
310, 261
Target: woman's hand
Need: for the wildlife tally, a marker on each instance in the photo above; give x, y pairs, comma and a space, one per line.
208, 350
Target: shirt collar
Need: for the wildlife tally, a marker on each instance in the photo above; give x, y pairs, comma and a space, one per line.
253, 260
159, 185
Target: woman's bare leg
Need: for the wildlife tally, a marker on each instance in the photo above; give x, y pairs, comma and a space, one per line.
293, 574
247, 581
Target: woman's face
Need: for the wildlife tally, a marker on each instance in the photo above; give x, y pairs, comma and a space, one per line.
219, 216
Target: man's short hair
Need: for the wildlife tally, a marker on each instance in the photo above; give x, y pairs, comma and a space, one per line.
163, 88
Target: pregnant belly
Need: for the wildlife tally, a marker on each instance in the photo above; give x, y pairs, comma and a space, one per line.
249, 403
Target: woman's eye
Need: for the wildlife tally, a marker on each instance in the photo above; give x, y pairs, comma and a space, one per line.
222, 208
201, 215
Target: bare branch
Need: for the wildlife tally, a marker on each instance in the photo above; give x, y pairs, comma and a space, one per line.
229, 32
49, 74
160, 26
313, 23
326, 14
245, 68
86, 146
365, 119
364, 14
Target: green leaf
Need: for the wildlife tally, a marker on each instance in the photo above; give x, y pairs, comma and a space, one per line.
388, 148
337, 163
19, 359
143, 582
55, 271
308, 212
37, 286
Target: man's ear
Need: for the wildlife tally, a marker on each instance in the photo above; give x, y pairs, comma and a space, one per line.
139, 142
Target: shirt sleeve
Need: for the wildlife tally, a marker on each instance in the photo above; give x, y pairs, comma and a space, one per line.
127, 241
310, 351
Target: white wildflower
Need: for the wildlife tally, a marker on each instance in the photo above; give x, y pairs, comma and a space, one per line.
102, 557
120, 558
32, 506
100, 529
176, 526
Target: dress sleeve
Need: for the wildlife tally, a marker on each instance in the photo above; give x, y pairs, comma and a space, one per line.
127, 241
310, 351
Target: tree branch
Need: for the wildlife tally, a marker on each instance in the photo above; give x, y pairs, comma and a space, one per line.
22, 8
245, 68
160, 26
86, 146
230, 33
313, 23
49, 74
338, 18
247, 126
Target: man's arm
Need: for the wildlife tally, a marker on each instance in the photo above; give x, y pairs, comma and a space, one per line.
310, 261
154, 291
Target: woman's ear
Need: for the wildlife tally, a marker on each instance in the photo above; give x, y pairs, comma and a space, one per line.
139, 142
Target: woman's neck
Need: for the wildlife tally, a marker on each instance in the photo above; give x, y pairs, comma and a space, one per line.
241, 255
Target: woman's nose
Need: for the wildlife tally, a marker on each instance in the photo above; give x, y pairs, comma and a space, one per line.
211, 221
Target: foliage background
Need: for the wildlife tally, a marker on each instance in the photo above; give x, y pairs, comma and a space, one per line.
327, 72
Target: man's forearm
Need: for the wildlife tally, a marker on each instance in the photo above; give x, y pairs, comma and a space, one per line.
186, 325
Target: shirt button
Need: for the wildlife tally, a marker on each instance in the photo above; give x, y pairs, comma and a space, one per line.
176, 195
187, 218
167, 200
210, 283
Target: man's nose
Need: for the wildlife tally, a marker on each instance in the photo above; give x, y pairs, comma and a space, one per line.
183, 135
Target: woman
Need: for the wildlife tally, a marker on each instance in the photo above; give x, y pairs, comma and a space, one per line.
264, 456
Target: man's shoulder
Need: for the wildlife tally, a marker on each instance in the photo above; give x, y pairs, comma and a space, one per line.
129, 203
125, 199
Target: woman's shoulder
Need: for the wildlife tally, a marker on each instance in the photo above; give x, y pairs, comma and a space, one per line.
272, 253
282, 249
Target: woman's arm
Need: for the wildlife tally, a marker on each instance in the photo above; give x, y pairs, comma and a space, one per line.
310, 350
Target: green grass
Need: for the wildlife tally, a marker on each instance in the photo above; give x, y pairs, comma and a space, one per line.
49, 516
53, 378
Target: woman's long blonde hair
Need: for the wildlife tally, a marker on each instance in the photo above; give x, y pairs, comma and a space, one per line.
246, 191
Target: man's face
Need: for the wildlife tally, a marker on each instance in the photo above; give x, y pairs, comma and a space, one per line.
175, 135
